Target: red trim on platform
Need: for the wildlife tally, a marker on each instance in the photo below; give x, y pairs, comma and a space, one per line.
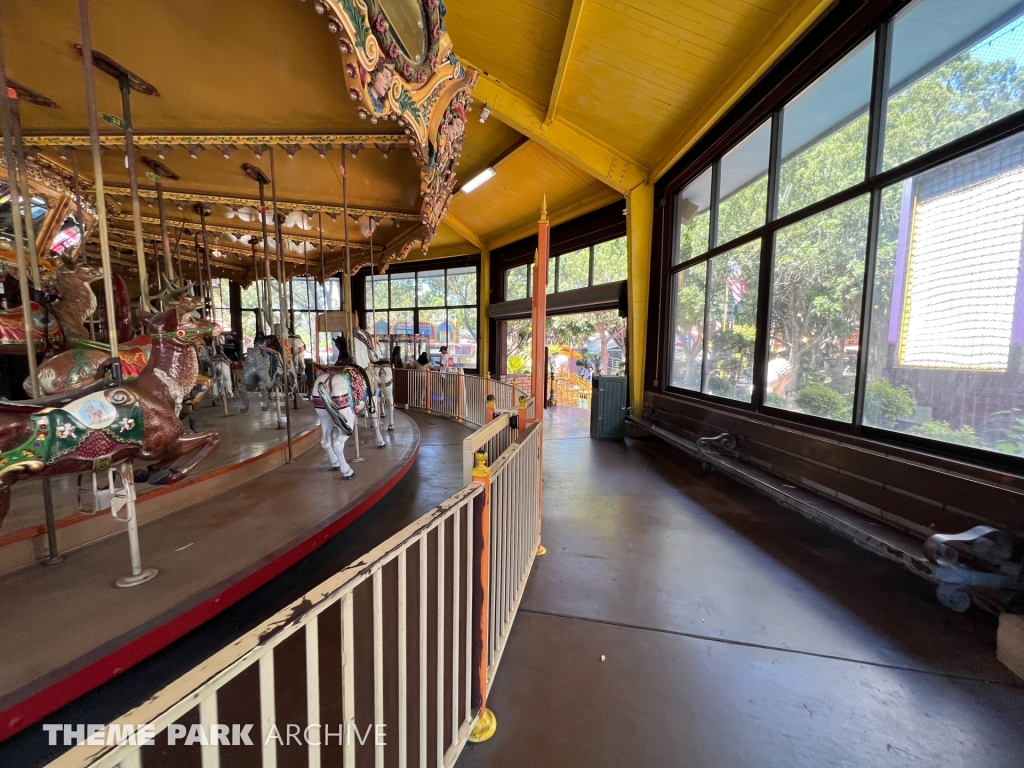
37, 706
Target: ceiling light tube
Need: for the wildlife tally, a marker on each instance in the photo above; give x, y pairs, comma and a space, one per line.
485, 175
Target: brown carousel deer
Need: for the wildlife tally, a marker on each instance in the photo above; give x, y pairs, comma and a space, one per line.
94, 427
64, 320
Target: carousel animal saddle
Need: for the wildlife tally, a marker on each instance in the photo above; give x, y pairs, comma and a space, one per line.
358, 387
53, 401
12, 325
93, 427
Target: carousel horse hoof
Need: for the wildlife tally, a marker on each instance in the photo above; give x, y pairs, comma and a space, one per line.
265, 408
382, 445
350, 473
141, 475
391, 428
335, 469
160, 477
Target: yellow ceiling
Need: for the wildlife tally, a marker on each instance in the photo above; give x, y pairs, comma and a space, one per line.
629, 84
588, 97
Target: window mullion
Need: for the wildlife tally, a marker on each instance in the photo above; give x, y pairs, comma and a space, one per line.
713, 217
879, 102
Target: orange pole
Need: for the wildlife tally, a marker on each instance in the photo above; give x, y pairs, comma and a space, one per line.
540, 300
540, 307
486, 723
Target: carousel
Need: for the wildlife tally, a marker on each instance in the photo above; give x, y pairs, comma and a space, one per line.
185, 194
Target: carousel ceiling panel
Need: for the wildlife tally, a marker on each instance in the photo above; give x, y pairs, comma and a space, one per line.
518, 41
230, 66
643, 70
516, 190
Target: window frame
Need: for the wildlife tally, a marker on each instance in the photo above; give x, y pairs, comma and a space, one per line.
876, 180
554, 263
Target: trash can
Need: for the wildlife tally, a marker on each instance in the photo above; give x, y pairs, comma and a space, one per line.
608, 407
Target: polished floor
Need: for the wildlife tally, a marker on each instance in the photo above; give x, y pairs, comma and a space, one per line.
681, 620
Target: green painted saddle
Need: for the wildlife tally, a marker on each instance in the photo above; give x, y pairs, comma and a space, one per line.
92, 428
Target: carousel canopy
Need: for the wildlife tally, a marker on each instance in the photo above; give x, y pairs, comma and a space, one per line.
578, 100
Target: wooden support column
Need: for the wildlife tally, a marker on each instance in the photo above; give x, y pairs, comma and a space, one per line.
639, 225
483, 331
540, 308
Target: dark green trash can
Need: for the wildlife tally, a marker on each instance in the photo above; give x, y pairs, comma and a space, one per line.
608, 407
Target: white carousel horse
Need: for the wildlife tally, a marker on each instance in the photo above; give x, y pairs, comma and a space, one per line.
378, 367
338, 397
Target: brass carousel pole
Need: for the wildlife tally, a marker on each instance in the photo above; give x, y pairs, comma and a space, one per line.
282, 336
7, 119
348, 294
124, 471
256, 174
203, 212
81, 222
101, 205
18, 177
323, 283
309, 317
133, 185
256, 278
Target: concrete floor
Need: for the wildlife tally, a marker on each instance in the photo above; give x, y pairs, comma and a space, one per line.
436, 475
734, 633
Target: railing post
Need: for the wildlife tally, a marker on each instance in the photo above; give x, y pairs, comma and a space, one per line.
486, 723
490, 404
426, 391
522, 412
459, 389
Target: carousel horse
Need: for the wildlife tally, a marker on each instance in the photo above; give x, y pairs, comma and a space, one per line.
378, 367
64, 320
89, 429
217, 368
339, 396
263, 369
203, 387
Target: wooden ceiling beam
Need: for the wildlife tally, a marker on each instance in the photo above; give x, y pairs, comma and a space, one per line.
563, 59
582, 150
464, 231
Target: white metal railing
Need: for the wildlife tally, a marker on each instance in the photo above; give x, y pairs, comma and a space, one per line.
409, 636
493, 439
514, 535
458, 395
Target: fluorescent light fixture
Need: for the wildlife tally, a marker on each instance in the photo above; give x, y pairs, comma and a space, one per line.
485, 175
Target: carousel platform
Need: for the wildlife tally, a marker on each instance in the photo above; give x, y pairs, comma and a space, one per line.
251, 444
67, 629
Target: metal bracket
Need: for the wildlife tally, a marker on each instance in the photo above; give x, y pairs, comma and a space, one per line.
723, 442
989, 544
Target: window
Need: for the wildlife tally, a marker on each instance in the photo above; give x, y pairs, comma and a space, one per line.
307, 299
610, 261
517, 283
951, 73
825, 133
688, 307
574, 270
817, 283
599, 264
744, 185
730, 326
221, 295
939, 356
421, 311
947, 322
714, 316
693, 207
